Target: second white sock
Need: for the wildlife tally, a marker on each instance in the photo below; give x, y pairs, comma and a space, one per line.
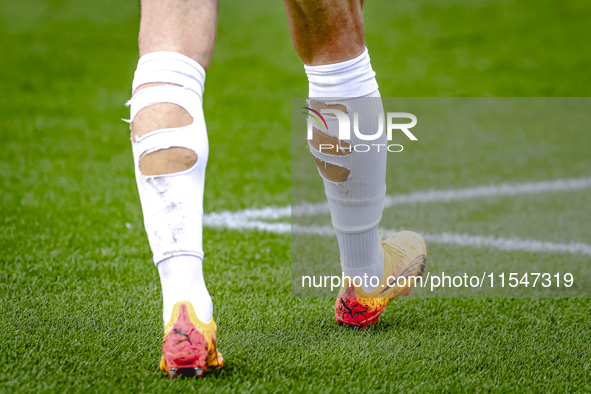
362, 254
182, 280
356, 204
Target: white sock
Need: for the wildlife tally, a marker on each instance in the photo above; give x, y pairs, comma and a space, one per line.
182, 280
356, 204
351, 78
361, 254
172, 204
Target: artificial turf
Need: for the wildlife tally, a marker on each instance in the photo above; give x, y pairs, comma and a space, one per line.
80, 301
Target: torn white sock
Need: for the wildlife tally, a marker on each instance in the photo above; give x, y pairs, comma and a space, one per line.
356, 204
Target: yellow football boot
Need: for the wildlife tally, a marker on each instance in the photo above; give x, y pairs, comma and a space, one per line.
189, 345
405, 255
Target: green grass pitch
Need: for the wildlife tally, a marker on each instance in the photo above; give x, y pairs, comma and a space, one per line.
80, 299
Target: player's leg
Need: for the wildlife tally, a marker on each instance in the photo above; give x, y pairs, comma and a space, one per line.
170, 148
329, 36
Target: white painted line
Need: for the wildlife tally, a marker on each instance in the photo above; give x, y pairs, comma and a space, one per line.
424, 196
509, 244
479, 241
500, 190
468, 193
246, 218
224, 220
250, 219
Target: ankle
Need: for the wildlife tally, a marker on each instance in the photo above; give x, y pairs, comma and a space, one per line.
182, 280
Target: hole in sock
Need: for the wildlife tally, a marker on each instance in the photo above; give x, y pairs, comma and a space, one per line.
159, 116
332, 172
163, 116
168, 161
152, 84
319, 105
330, 145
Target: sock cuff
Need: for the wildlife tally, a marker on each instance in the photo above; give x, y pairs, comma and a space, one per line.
170, 67
181, 278
360, 250
189, 264
351, 78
